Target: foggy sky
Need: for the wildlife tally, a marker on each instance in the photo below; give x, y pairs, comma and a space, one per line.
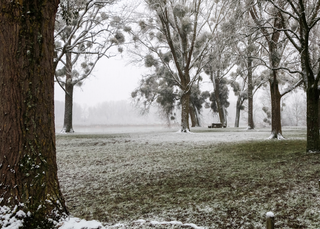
112, 80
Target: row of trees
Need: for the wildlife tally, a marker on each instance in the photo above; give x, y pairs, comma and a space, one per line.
179, 40
267, 42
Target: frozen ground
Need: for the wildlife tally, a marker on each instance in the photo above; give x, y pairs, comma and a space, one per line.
102, 170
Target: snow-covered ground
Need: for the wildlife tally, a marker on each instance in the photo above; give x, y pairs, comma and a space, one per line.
95, 161
119, 151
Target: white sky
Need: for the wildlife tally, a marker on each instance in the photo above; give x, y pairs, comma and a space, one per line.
112, 80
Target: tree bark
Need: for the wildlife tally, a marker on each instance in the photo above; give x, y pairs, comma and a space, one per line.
276, 130
250, 95
274, 60
311, 85
193, 116
218, 102
68, 110
28, 165
185, 105
68, 105
312, 120
238, 109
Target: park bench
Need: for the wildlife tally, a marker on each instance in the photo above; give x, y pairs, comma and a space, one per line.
217, 125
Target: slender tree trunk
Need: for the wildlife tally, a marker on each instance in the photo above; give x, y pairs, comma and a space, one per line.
225, 118
194, 121
68, 109
68, 104
238, 109
250, 95
27, 135
276, 130
217, 99
185, 105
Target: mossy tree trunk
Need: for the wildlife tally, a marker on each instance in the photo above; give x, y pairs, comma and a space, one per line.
27, 135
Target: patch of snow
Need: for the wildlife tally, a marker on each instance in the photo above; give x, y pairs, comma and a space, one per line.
176, 223
140, 221
279, 137
21, 214
193, 226
76, 223
6, 219
270, 215
117, 225
311, 151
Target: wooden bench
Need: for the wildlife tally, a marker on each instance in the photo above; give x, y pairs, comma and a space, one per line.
217, 125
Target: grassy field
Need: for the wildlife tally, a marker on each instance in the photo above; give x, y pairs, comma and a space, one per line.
226, 178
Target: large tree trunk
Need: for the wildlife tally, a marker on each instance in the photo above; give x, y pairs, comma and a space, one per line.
311, 85
185, 105
27, 135
312, 120
276, 130
250, 95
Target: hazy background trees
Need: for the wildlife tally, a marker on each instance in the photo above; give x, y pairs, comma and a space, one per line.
85, 32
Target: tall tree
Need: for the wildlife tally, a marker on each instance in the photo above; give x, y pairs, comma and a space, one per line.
28, 166
220, 59
219, 100
243, 81
84, 33
218, 66
299, 21
268, 21
175, 36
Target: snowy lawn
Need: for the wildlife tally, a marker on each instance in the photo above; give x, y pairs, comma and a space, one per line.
212, 178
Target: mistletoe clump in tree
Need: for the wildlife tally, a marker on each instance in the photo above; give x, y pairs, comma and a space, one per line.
219, 100
156, 88
85, 32
159, 88
221, 59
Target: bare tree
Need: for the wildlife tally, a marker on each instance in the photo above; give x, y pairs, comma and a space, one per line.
85, 32
28, 165
268, 21
299, 22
